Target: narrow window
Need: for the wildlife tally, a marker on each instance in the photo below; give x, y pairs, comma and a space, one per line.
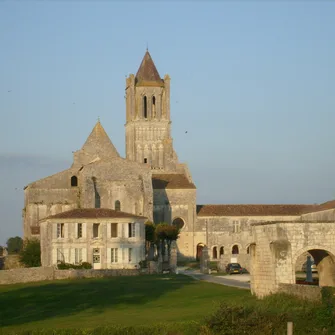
130, 251
145, 160
60, 230
131, 229
248, 250
234, 250
221, 251
113, 229
236, 226
79, 230
145, 105
215, 253
114, 254
78, 258
96, 230
117, 205
153, 105
74, 181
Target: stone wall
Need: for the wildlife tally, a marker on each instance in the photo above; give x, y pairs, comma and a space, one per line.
307, 292
26, 275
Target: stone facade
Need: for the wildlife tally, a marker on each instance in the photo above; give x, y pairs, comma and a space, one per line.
277, 246
108, 239
152, 183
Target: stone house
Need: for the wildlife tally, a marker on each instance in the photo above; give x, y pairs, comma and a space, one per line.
150, 182
106, 238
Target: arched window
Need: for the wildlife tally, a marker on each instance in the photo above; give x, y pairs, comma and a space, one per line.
153, 106
74, 181
178, 222
145, 107
234, 250
215, 253
248, 249
221, 251
117, 205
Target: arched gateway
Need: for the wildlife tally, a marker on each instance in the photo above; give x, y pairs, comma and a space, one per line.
277, 247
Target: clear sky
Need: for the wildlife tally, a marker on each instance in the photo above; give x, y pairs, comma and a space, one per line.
252, 83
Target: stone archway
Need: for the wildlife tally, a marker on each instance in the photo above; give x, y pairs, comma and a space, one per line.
324, 261
200, 246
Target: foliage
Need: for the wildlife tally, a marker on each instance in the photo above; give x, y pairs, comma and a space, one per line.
14, 245
150, 231
67, 266
166, 233
143, 264
30, 255
1, 250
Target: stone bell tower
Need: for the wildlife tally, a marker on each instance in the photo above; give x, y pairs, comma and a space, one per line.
148, 123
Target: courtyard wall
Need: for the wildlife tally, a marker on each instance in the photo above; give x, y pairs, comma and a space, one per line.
26, 275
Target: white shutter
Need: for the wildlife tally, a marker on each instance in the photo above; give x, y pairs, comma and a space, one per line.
84, 254
66, 230
137, 230
84, 225
109, 259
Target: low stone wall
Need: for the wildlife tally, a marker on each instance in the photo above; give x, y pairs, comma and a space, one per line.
26, 275
307, 292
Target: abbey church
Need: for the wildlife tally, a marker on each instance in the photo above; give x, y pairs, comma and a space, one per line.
96, 209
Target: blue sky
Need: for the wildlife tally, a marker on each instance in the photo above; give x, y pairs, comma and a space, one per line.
251, 82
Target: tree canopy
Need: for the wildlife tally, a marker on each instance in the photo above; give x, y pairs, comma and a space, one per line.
30, 255
14, 245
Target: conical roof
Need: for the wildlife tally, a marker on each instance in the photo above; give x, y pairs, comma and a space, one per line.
147, 70
99, 143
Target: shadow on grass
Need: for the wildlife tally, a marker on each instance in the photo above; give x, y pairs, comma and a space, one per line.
36, 302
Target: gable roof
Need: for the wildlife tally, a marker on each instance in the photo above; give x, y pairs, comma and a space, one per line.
252, 210
171, 181
321, 207
92, 213
99, 142
147, 70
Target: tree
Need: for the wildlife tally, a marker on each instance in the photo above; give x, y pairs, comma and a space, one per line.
166, 234
30, 255
149, 238
14, 245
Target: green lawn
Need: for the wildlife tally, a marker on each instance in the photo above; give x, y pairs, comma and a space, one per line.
128, 301
152, 301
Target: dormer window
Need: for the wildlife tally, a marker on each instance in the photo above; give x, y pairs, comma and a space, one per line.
74, 181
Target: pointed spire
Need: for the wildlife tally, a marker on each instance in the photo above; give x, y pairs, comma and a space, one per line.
147, 70
98, 143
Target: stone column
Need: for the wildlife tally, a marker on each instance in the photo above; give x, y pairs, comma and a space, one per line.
204, 260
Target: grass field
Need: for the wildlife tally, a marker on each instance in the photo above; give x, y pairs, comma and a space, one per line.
136, 301
90, 303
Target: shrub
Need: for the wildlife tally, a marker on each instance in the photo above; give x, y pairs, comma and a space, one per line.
30, 255
67, 266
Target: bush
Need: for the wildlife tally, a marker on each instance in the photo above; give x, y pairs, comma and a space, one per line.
67, 266
143, 264
30, 255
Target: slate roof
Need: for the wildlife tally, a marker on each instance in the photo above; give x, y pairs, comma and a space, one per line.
92, 213
171, 181
252, 210
147, 70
